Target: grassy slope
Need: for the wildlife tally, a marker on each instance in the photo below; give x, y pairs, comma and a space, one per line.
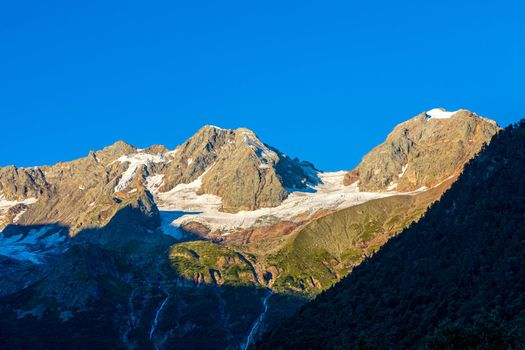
330, 247
211, 262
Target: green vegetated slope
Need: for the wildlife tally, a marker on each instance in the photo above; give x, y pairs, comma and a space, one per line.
207, 262
327, 249
454, 280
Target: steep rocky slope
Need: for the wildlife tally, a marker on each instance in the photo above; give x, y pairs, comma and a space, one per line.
238, 167
423, 151
78, 194
454, 280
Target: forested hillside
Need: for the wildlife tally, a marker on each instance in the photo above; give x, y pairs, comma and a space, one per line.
454, 280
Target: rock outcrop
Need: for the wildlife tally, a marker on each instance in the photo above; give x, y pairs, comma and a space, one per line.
423, 151
237, 166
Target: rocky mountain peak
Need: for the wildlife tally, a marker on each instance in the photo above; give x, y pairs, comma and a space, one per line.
423, 151
237, 166
118, 149
156, 149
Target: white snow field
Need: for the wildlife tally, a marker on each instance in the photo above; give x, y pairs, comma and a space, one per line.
330, 194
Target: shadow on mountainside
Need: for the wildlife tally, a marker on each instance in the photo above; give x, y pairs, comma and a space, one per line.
128, 285
168, 217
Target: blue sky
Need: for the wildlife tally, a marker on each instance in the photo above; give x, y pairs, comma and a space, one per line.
324, 81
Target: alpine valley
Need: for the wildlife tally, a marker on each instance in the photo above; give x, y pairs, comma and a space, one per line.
214, 243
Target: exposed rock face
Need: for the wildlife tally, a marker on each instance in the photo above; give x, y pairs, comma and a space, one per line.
245, 175
238, 167
195, 156
423, 151
17, 184
78, 194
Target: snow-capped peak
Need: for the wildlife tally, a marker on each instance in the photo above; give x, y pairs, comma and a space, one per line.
439, 113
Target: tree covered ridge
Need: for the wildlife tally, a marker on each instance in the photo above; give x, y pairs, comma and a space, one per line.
454, 280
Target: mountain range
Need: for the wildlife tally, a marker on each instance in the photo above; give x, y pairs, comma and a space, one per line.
211, 244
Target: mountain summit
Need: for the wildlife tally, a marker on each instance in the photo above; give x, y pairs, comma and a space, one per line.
423, 151
237, 166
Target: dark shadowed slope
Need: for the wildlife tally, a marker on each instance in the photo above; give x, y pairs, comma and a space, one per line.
454, 280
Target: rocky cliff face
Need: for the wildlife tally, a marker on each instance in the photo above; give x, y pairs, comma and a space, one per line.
78, 194
18, 184
237, 166
423, 151
249, 174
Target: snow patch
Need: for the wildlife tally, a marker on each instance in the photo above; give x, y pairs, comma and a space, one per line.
439, 113
6, 204
18, 216
135, 161
171, 153
33, 246
184, 198
403, 170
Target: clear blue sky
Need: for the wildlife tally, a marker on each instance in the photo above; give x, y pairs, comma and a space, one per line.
324, 81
